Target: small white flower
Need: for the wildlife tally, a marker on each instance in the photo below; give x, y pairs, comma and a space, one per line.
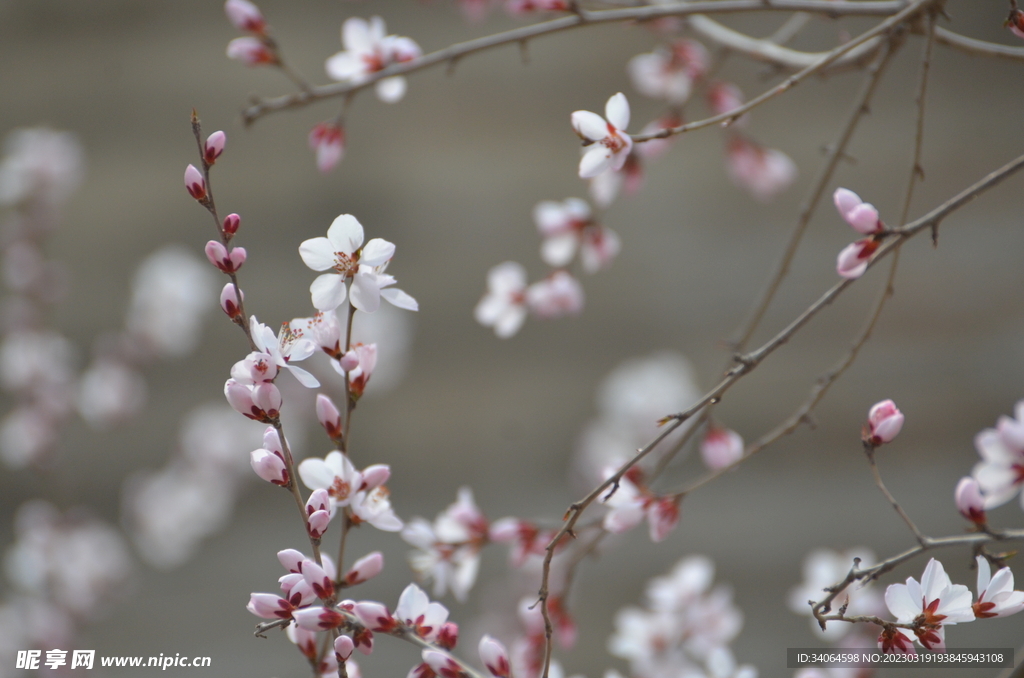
368, 50
503, 307
608, 142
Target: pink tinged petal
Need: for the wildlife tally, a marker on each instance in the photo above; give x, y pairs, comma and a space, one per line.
328, 292
303, 377
317, 253
885, 421
244, 15
345, 234
240, 398
250, 51
291, 560
969, 501
494, 656
301, 593
195, 183
600, 246
374, 476
595, 161
617, 111
400, 299
662, 517
365, 292
863, 218
558, 250
356, 34
411, 603
366, 568
377, 252
317, 523
442, 664
318, 618
329, 416
849, 263
267, 398
319, 500
345, 66
589, 125
845, 201
375, 616
269, 606
391, 90
269, 467
343, 647
318, 579
622, 144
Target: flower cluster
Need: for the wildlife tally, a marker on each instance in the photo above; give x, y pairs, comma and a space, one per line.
862, 217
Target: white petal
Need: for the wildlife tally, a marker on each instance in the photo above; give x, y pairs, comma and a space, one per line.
303, 377
345, 234
316, 474
595, 161
506, 278
490, 308
317, 253
549, 217
390, 90
559, 250
356, 36
510, 321
411, 604
345, 66
617, 111
589, 125
900, 603
397, 297
376, 252
365, 292
328, 292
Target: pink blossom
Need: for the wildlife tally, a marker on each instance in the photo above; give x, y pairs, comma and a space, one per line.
231, 224
494, 656
609, 144
557, 295
862, 216
567, 227
260, 402
764, 172
669, 73
373, 506
853, 260
245, 16
195, 183
318, 618
503, 306
419, 615
448, 550
367, 51
327, 140
288, 346
358, 364
969, 501
213, 147
724, 97
335, 474
884, 423
229, 301
269, 466
1000, 473
269, 606
364, 569
631, 502
318, 579
996, 597
251, 52
343, 251
442, 664
931, 605
227, 261
375, 616
721, 447
328, 415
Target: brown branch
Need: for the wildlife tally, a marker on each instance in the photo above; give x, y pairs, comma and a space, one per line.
520, 36
869, 450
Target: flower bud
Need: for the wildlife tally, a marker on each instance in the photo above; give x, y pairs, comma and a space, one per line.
442, 664
195, 183
318, 618
226, 261
251, 52
329, 416
375, 616
213, 147
269, 606
969, 501
853, 259
343, 647
267, 398
229, 301
494, 657
884, 423
291, 559
317, 578
721, 447
447, 636
231, 224
245, 16
269, 466
240, 398
327, 140
366, 568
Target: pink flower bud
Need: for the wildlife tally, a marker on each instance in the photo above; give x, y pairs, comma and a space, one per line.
194, 183
328, 141
969, 501
214, 147
318, 618
272, 442
494, 657
721, 447
442, 664
291, 560
251, 52
1015, 22
329, 417
269, 466
231, 224
319, 500
853, 259
884, 423
297, 590
229, 301
374, 476
662, 517
219, 256
375, 616
862, 216
317, 523
267, 398
349, 361
240, 398
343, 647
724, 97
447, 636
366, 568
269, 606
245, 16
317, 578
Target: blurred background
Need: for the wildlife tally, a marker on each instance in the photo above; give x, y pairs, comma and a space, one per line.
451, 175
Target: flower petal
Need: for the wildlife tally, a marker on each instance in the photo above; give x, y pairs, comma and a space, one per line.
328, 292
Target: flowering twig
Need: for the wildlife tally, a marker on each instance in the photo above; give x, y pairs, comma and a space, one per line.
580, 18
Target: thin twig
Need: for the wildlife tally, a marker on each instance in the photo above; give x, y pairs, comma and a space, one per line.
582, 18
869, 450
978, 47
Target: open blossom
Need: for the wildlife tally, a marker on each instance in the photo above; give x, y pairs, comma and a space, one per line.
884, 423
608, 144
631, 502
503, 306
764, 172
1002, 452
334, 473
328, 142
932, 604
669, 73
996, 597
557, 295
344, 252
568, 227
368, 50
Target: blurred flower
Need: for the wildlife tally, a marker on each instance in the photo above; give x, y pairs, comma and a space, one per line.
1002, 453
607, 140
764, 172
669, 72
40, 165
557, 295
503, 306
368, 50
328, 141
